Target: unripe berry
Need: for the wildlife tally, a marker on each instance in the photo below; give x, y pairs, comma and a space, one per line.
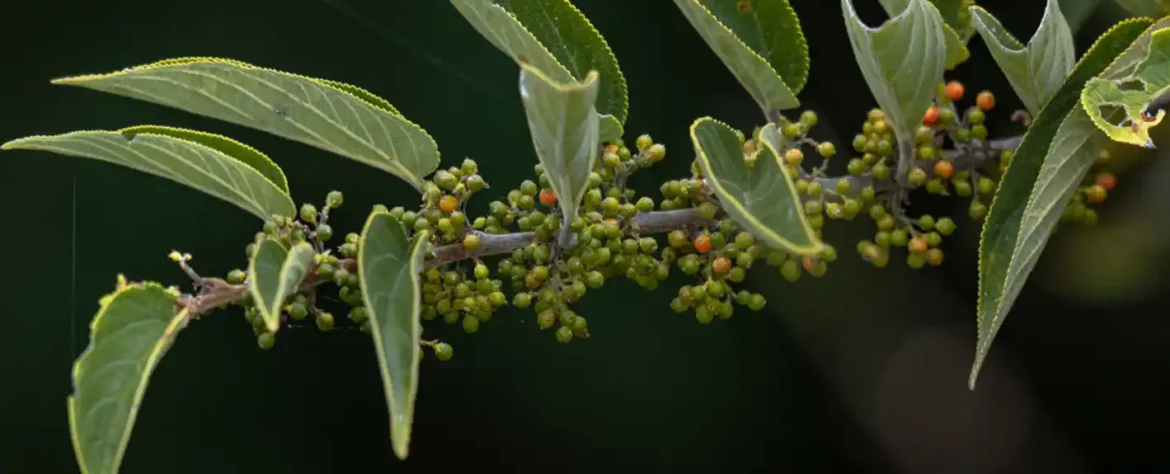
334, 199
643, 142
977, 210
707, 210
917, 177
926, 222
1096, 194
986, 186
324, 321
471, 241
918, 245
443, 351
266, 340
826, 149
793, 156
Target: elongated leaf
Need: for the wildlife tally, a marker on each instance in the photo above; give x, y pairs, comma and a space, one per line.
956, 14
389, 266
274, 275
957, 51
1037, 70
557, 39
761, 197
128, 337
758, 45
1133, 88
1032, 190
902, 61
198, 160
1150, 8
564, 128
334, 117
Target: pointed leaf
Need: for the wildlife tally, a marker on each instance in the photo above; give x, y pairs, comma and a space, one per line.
957, 51
389, 267
564, 128
760, 197
245, 177
557, 39
1037, 70
1150, 8
1133, 88
128, 337
762, 46
1033, 192
334, 117
274, 275
902, 61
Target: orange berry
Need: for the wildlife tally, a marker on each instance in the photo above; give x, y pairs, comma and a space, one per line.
548, 197
1096, 194
611, 148
703, 243
985, 101
448, 203
943, 169
1107, 181
931, 117
918, 245
808, 263
954, 91
721, 265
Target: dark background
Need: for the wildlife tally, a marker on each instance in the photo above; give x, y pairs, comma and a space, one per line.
862, 371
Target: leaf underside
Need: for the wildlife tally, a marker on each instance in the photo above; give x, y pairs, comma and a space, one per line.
761, 198
128, 337
1021, 214
274, 274
389, 267
182, 156
1035, 71
956, 48
328, 115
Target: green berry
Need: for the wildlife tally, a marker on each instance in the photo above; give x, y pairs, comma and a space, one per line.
986, 186
334, 199
297, 311
443, 351
945, 226
324, 321
645, 204
826, 149
564, 334
266, 340
470, 324
358, 315
236, 276
926, 222
707, 210
309, 213
521, 300
790, 270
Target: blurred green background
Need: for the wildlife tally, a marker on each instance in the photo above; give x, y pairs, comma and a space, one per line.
861, 371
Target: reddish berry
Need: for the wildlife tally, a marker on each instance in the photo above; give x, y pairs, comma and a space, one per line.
809, 263
931, 117
548, 197
985, 101
721, 265
1107, 181
954, 91
703, 243
944, 169
448, 203
918, 245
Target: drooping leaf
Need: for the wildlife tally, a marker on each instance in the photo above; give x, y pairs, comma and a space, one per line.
902, 61
956, 52
564, 128
762, 46
128, 337
1037, 70
1150, 8
760, 197
389, 267
1033, 191
213, 164
329, 115
1133, 88
274, 275
557, 39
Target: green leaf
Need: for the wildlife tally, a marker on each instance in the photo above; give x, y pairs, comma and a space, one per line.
1150, 8
128, 337
1132, 87
956, 52
1037, 70
389, 267
334, 117
554, 37
564, 128
609, 129
760, 197
956, 14
213, 164
902, 61
274, 275
1034, 190
763, 47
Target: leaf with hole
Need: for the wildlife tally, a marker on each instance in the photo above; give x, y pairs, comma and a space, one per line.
556, 38
213, 164
1051, 160
335, 117
760, 42
389, 266
759, 196
1035, 71
1139, 90
564, 128
274, 273
902, 61
128, 337
956, 51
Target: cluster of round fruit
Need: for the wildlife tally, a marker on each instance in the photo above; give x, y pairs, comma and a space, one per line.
920, 238
443, 210
719, 264
454, 297
1097, 185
